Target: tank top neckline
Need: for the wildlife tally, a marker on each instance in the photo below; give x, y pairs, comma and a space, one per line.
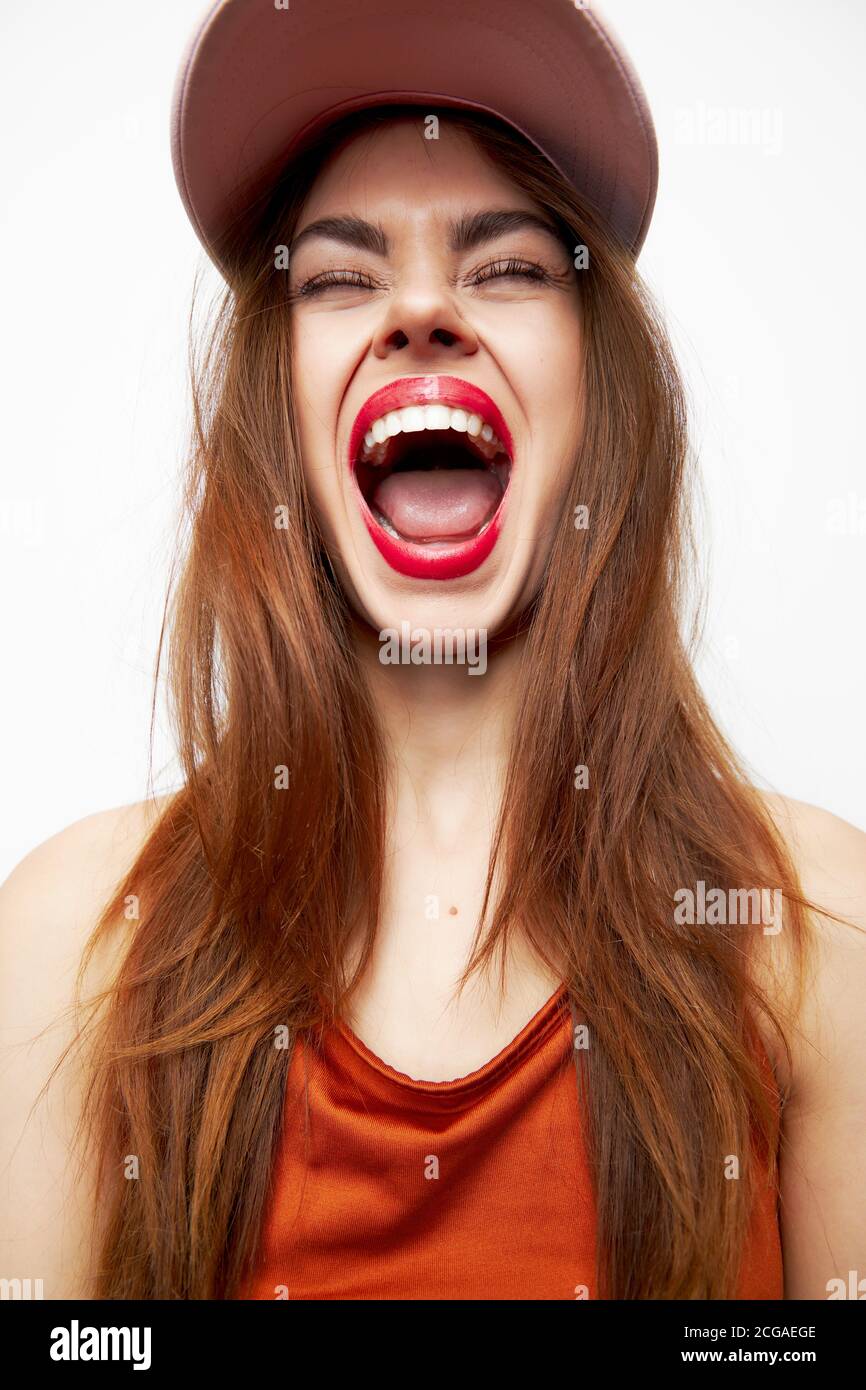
531, 1035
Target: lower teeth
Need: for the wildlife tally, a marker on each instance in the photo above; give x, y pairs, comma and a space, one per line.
386, 526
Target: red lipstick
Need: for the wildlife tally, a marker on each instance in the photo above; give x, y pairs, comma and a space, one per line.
439, 559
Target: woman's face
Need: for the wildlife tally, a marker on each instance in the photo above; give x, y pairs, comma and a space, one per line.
437, 361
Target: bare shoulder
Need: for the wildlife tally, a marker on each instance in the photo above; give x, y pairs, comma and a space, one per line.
50, 902
824, 1130
49, 906
830, 857
87, 855
830, 853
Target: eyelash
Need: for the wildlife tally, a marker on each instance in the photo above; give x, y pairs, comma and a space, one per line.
528, 270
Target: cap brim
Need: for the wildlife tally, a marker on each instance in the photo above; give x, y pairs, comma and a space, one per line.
256, 82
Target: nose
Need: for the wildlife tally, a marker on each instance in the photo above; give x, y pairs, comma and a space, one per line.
423, 321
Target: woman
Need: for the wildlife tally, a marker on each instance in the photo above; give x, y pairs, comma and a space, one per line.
482, 977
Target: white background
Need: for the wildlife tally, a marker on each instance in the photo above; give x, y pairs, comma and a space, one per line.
755, 253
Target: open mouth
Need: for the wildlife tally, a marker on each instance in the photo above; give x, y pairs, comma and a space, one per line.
432, 475
433, 486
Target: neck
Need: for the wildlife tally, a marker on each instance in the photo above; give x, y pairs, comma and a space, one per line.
448, 734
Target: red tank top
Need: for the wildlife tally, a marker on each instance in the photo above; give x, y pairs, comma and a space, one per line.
478, 1188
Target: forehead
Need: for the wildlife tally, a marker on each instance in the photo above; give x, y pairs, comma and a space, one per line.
395, 165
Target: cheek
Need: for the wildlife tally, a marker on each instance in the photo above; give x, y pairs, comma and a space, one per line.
316, 390
554, 370
545, 362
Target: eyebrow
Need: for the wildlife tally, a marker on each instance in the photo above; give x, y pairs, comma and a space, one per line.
464, 232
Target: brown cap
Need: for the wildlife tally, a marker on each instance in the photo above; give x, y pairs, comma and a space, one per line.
257, 82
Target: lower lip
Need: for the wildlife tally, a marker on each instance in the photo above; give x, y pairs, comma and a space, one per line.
439, 560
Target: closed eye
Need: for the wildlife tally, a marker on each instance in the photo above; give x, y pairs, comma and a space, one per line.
494, 270
352, 278
504, 269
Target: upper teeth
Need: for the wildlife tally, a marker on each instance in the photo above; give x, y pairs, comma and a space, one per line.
413, 418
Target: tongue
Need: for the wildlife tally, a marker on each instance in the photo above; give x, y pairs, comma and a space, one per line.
439, 503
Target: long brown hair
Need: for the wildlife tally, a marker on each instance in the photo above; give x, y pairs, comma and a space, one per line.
250, 881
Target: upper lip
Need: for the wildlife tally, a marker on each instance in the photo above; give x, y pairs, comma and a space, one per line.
427, 390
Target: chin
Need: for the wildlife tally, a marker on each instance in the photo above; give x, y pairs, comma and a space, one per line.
489, 600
